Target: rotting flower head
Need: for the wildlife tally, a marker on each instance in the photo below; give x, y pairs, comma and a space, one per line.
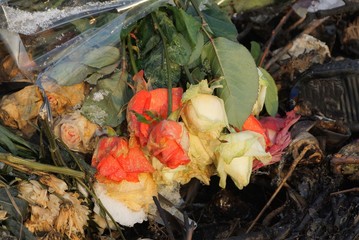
64, 213
63, 99
73, 216
169, 143
235, 156
127, 202
20, 110
203, 113
118, 159
55, 184
76, 131
154, 102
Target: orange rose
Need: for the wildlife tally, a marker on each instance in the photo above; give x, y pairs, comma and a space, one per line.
169, 143
117, 159
156, 102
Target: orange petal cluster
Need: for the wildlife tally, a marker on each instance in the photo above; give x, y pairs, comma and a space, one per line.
253, 124
154, 101
117, 159
169, 143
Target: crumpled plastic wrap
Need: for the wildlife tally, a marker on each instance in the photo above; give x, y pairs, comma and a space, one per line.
63, 50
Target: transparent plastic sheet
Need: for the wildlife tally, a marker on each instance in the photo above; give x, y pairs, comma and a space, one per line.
19, 24
54, 52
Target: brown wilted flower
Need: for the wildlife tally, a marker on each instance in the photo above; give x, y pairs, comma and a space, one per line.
56, 185
3, 214
64, 99
64, 214
73, 217
76, 131
19, 110
42, 218
33, 193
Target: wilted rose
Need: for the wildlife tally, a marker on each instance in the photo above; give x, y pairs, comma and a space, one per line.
117, 159
20, 110
169, 143
154, 102
203, 113
235, 156
76, 131
277, 130
253, 124
64, 98
127, 202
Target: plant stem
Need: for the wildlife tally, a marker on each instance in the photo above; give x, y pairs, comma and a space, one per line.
188, 74
123, 58
169, 80
132, 57
28, 164
54, 149
204, 23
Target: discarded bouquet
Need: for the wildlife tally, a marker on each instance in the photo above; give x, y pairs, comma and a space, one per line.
125, 138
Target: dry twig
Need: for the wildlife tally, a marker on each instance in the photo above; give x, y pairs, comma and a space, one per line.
291, 170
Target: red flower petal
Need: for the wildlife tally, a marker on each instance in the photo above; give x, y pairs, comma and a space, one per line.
165, 144
117, 160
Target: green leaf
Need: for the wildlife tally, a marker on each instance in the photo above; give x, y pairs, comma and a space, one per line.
93, 78
108, 69
187, 25
179, 50
151, 44
219, 23
82, 24
271, 100
68, 73
166, 25
255, 51
105, 102
234, 63
156, 70
16, 144
196, 52
145, 31
6, 142
101, 57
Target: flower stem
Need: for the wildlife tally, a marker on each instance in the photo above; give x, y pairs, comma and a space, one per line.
54, 149
167, 60
29, 165
188, 74
132, 57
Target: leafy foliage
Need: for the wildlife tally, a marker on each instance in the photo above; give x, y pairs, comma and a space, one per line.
271, 100
235, 64
104, 105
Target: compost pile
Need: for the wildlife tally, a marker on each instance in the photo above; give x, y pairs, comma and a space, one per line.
179, 120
